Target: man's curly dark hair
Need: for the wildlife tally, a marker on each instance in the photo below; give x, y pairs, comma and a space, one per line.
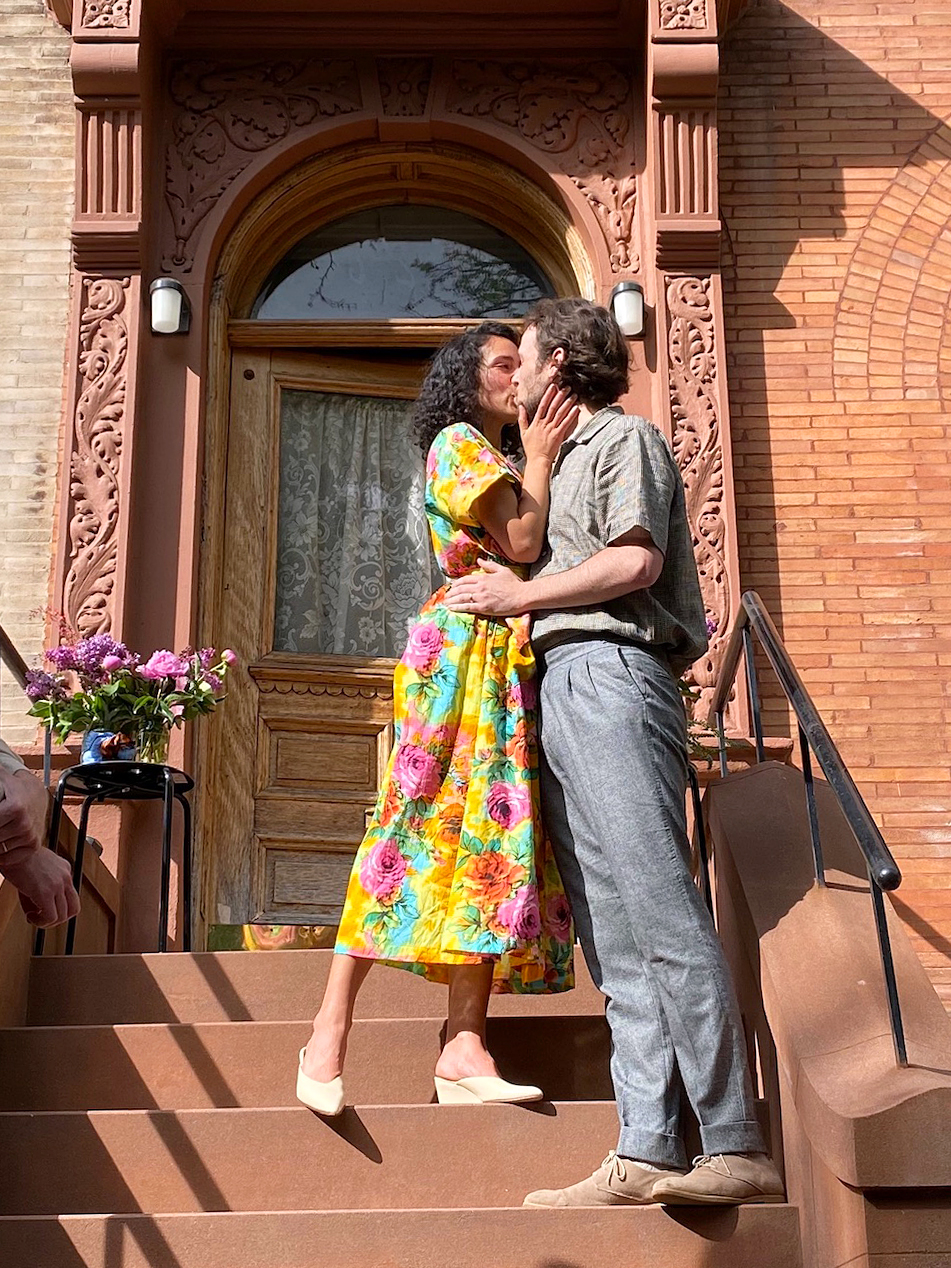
450, 391
596, 361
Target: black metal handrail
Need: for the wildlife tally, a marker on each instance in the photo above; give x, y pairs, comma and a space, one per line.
814, 738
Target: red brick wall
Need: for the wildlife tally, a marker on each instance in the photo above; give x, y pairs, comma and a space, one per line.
835, 163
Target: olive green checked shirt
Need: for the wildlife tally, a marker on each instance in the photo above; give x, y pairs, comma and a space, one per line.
614, 474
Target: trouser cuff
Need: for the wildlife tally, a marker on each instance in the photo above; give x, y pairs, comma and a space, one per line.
733, 1138
658, 1150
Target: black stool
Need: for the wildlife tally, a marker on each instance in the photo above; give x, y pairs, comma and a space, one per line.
96, 782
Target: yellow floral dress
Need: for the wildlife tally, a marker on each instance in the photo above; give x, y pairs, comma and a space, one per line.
455, 866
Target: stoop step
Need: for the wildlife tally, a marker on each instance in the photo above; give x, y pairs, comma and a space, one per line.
179, 1067
633, 1237
379, 1157
207, 986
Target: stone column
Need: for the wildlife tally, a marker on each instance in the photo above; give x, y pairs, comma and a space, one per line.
106, 305
691, 397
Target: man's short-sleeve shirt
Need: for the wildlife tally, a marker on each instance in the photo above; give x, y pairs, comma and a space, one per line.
614, 474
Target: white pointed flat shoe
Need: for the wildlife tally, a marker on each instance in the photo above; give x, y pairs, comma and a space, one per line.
323, 1098
484, 1090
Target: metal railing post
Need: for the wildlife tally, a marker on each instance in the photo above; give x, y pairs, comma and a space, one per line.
754, 693
721, 743
888, 968
811, 807
705, 886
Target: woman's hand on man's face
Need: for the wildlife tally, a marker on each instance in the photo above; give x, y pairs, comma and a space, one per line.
554, 420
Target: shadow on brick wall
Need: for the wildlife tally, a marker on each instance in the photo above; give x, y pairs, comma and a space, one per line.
835, 191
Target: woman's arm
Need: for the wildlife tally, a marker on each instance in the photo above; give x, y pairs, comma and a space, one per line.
516, 520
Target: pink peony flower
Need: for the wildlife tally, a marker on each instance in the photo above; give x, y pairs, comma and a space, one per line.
508, 804
229, 657
558, 917
111, 662
417, 772
423, 645
164, 664
520, 914
383, 870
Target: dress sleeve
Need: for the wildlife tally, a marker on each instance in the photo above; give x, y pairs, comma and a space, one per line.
636, 482
462, 467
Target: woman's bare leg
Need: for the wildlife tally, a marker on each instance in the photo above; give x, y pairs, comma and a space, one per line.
465, 1053
327, 1046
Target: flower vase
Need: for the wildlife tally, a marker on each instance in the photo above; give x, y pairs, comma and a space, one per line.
153, 746
106, 746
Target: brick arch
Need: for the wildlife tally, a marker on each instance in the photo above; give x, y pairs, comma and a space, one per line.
892, 317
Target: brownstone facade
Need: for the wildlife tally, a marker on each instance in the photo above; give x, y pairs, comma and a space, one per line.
835, 180
813, 326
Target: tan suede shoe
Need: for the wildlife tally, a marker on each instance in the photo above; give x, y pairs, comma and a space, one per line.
723, 1180
617, 1182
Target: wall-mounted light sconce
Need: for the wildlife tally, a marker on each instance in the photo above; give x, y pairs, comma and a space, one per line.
627, 305
170, 313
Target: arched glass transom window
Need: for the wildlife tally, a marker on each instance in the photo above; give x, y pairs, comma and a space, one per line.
405, 261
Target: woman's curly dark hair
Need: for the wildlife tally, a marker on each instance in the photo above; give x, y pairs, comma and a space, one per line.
450, 391
596, 361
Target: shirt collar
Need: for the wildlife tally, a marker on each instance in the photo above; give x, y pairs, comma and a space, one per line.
597, 422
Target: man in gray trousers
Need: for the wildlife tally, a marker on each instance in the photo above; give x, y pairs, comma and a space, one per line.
618, 615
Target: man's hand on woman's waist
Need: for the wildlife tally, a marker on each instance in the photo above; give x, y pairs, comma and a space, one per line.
618, 569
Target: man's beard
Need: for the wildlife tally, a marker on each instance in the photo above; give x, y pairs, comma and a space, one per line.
533, 398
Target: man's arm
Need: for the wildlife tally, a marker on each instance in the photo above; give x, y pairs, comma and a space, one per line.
43, 879
633, 562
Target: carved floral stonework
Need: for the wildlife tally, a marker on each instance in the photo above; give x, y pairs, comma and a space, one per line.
683, 15
88, 591
105, 13
404, 85
581, 114
228, 115
697, 442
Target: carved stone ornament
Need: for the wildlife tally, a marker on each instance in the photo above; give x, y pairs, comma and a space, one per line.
105, 13
287, 687
683, 15
697, 444
404, 85
582, 115
96, 457
228, 115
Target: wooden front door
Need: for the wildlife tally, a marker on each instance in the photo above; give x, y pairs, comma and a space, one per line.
325, 558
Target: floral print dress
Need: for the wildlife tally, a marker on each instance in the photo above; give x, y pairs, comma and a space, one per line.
455, 866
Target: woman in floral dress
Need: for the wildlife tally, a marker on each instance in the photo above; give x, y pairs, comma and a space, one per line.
455, 879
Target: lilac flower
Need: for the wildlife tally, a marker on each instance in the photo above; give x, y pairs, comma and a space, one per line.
711, 627
206, 657
213, 681
43, 686
63, 657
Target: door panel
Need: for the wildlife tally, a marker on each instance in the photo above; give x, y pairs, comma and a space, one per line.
305, 736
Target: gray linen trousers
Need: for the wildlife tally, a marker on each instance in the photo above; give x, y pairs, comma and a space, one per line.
613, 772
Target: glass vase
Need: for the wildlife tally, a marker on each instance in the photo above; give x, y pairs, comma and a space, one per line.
153, 746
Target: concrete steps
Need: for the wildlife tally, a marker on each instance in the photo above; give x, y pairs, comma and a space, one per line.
759, 1237
108, 990
220, 1064
141, 1128
374, 1157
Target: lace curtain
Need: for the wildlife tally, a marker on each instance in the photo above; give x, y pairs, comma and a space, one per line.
354, 561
